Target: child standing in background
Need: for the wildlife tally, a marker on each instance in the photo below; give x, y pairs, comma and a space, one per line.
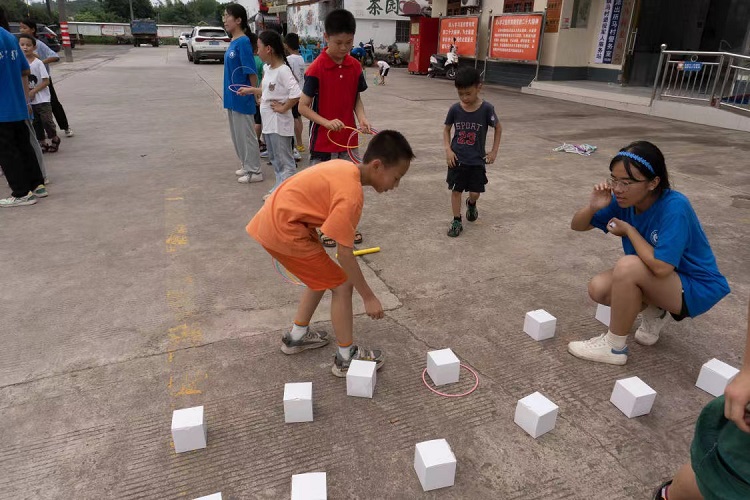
40, 97
297, 63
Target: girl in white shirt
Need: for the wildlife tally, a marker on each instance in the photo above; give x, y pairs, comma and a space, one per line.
280, 92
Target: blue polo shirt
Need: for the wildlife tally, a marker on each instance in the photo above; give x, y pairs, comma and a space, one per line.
239, 64
334, 89
12, 62
671, 226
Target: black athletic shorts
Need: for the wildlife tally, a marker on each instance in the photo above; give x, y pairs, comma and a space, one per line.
257, 117
384, 72
295, 111
684, 313
467, 178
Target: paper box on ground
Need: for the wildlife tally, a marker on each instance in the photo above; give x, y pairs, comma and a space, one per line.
215, 496
536, 414
443, 367
603, 313
310, 486
435, 464
633, 397
714, 377
188, 429
361, 378
298, 402
539, 324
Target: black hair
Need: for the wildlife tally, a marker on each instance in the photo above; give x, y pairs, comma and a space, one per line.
237, 11
24, 35
272, 39
30, 23
466, 77
390, 147
4, 19
253, 41
292, 41
340, 21
652, 155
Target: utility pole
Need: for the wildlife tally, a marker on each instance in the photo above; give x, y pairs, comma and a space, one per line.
131, 11
64, 30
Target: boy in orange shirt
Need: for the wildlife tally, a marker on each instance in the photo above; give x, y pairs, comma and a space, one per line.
329, 196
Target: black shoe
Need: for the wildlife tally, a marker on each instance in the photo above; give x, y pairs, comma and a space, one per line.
471, 211
657, 493
456, 228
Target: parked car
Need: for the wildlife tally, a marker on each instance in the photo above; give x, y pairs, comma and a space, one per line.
183, 40
43, 33
207, 42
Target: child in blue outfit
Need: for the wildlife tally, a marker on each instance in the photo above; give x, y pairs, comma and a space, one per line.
465, 153
668, 264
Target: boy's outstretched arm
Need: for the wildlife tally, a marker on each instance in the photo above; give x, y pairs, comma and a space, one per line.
495, 144
348, 261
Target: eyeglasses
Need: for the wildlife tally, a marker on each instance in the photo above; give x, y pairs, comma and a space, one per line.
613, 183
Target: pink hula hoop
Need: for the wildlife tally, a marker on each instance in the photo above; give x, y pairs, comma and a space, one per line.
476, 384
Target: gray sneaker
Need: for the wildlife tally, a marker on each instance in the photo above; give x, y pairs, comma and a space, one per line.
41, 191
311, 340
341, 365
12, 201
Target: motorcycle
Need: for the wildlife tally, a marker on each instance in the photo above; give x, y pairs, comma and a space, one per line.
444, 65
369, 47
394, 55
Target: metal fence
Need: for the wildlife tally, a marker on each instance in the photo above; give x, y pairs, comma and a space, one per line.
718, 79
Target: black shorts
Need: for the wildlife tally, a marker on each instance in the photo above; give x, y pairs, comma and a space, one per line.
257, 118
384, 72
295, 111
684, 313
467, 178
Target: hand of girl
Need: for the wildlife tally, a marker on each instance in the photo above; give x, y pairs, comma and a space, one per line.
618, 227
278, 107
601, 197
247, 91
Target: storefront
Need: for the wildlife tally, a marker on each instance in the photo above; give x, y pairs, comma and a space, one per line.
610, 40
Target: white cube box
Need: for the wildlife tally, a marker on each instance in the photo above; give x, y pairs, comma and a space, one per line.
603, 314
435, 464
310, 486
536, 414
443, 367
714, 377
188, 429
215, 496
298, 405
361, 378
540, 324
633, 397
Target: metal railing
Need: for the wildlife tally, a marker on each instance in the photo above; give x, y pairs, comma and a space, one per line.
718, 79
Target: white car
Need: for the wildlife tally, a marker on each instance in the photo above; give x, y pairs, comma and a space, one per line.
207, 42
183, 40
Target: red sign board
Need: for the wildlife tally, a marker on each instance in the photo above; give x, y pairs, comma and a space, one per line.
464, 30
516, 37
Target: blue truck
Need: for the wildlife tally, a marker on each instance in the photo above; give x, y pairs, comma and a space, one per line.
144, 31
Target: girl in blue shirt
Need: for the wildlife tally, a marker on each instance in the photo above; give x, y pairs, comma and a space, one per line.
668, 264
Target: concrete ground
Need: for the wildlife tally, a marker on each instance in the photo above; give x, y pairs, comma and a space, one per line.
133, 290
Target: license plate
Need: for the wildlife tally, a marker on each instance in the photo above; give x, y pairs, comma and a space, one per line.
213, 43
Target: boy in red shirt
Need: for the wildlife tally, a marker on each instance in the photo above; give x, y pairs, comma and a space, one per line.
329, 196
330, 96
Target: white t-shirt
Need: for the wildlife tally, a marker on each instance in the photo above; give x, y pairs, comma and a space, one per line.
297, 63
280, 85
383, 65
38, 73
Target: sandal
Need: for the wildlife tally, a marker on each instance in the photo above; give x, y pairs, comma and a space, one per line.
45, 147
357, 238
54, 146
327, 242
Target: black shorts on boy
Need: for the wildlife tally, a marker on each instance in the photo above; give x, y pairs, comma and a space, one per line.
463, 178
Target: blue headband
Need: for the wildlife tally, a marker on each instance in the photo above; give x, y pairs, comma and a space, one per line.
637, 158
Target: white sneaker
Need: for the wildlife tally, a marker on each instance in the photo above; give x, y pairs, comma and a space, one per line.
240, 172
12, 201
250, 178
297, 156
653, 319
598, 349
264, 154
69, 133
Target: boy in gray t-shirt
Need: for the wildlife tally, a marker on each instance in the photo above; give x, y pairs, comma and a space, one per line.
465, 153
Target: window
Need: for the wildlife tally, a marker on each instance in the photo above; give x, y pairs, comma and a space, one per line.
518, 6
402, 31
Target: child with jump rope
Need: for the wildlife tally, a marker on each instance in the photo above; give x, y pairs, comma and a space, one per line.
329, 196
279, 93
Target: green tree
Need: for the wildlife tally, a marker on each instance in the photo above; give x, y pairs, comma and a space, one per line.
121, 9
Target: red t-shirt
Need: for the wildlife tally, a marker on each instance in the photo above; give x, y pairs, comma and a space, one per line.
334, 89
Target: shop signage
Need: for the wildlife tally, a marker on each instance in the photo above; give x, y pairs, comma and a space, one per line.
516, 37
689, 65
464, 30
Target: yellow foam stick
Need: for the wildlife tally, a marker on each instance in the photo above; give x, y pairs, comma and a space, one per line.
364, 251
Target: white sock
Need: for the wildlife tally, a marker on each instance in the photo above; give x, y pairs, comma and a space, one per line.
297, 332
617, 341
345, 352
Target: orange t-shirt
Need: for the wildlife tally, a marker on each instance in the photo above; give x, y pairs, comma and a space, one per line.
328, 195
